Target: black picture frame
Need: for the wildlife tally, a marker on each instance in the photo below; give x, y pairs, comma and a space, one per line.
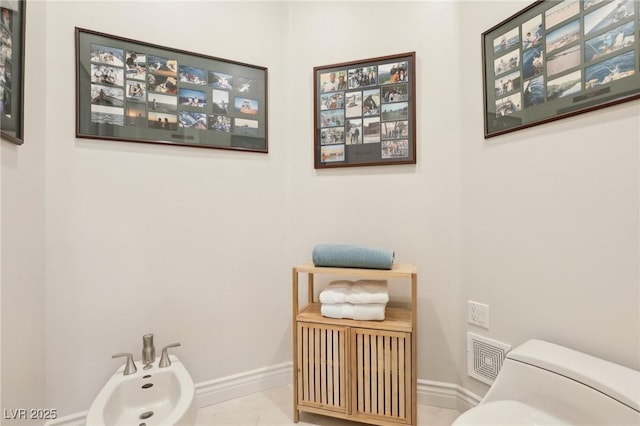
133, 91
556, 59
364, 112
12, 45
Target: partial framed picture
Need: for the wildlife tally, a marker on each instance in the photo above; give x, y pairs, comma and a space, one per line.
132, 91
12, 37
556, 59
364, 112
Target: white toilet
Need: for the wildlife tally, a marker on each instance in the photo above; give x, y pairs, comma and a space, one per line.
541, 383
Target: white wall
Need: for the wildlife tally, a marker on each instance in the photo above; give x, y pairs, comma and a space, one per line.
185, 243
23, 240
550, 219
196, 245
412, 209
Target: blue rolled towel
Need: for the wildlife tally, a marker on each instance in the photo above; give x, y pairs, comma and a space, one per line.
352, 256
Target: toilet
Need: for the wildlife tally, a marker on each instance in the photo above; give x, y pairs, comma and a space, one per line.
541, 383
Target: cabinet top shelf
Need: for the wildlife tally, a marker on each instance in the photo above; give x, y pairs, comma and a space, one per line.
396, 319
398, 270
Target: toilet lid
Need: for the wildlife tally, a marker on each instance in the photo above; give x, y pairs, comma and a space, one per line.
506, 413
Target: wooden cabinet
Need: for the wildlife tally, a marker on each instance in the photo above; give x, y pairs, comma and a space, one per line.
357, 370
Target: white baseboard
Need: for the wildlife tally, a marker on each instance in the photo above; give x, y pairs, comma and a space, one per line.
437, 394
446, 395
238, 385
76, 419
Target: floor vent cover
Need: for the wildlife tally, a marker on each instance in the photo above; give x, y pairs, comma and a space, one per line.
485, 357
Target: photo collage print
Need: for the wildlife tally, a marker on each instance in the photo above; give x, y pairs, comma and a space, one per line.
364, 105
572, 47
138, 89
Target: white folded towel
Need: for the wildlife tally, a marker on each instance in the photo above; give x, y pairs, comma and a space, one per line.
362, 291
363, 312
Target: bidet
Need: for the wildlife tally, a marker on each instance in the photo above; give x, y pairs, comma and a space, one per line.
156, 396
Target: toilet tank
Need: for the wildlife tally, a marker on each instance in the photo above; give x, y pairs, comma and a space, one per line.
568, 385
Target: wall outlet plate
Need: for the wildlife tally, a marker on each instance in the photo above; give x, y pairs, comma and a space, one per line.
478, 314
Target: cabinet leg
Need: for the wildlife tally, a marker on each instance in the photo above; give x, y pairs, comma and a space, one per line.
296, 415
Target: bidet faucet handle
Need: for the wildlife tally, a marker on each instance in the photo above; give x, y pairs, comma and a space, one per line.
164, 358
130, 368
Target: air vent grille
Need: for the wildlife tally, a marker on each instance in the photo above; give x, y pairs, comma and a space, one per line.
485, 357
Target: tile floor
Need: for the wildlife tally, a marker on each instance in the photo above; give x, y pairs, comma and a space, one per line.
274, 407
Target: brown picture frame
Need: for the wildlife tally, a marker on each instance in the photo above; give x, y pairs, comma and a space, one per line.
12, 26
557, 59
365, 113
133, 91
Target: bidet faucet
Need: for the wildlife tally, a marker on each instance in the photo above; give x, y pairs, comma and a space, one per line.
164, 358
130, 368
148, 350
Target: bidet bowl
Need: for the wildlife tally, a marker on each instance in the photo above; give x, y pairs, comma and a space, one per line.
156, 396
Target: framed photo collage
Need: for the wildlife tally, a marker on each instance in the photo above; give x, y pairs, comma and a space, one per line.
559, 58
12, 35
365, 112
134, 91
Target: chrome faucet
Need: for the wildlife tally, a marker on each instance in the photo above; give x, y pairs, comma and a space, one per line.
164, 358
148, 351
130, 368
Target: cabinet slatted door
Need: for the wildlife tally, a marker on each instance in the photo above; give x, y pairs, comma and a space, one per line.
381, 368
322, 367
